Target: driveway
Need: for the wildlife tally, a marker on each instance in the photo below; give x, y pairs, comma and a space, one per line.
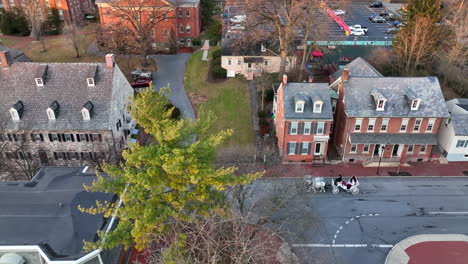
171, 69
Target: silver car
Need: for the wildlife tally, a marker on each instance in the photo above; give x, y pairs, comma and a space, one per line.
378, 19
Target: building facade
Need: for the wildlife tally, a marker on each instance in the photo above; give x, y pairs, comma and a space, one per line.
453, 133
62, 113
181, 19
388, 118
303, 120
71, 11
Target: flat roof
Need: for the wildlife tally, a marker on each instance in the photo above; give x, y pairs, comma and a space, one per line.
44, 212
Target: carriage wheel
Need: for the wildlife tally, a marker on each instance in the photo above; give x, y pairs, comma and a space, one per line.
335, 190
355, 190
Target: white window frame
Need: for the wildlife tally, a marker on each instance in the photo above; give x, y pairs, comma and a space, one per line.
299, 108
431, 124
319, 150
294, 126
371, 123
14, 114
408, 149
181, 28
404, 122
85, 114
306, 149
39, 82
355, 146
417, 125
188, 29
413, 106
187, 12
266, 63
50, 114
239, 62
229, 62
358, 123
423, 151
292, 144
180, 13
385, 122
307, 126
381, 107
364, 148
318, 107
320, 128
90, 81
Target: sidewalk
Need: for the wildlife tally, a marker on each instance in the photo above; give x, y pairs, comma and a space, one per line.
416, 169
430, 249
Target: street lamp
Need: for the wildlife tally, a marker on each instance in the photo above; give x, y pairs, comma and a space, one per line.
380, 158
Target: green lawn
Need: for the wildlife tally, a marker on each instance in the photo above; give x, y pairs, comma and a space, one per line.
229, 100
7, 42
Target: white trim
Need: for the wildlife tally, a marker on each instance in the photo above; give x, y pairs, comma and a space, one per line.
358, 121
14, 114
371, 122
432, 122
318, 107
383, 105
37, 249
404, 122
420, 123
417, 101
299, 104
289, 144
309, 126
50, 114
296, 125
320, 150
351, 148
387, 122
39, 82
90, 81
307, 150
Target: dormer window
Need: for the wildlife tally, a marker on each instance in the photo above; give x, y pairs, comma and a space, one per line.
50, 114
90, 81
53, 110
415, 104
379, 100
87, 110
39, 82
381, 105
14, 114
300, 107
318, 107
16, 110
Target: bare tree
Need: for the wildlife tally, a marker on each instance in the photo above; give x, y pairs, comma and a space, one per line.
73, 34
23, 160
104, 153
34, 13
416, 44
457, 20
142, 18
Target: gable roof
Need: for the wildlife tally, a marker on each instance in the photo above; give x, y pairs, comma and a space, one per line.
359, 67
360, 103
459, 115
44, 212
16, 55
65, 83
310, 93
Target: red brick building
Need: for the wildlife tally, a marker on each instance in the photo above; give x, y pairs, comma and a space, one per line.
71, 11
183, 19
395, 118
303, 120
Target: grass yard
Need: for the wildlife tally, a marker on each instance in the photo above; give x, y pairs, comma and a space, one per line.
229, 100
8, 42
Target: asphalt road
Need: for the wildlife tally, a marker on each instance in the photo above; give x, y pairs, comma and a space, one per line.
342, 228
171, 69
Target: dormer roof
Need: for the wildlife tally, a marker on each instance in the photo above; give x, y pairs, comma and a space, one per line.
309, 93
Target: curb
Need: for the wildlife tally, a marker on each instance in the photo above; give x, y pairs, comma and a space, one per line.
397, 254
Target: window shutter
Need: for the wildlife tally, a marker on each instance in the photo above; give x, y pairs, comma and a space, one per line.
50, 138
42, 137
300, 128
72, 137
78, 137
100, 137
314, 128
297, 149
300, 148
289, 128
308, 149
325, 128
287, 148
87, 137
91, 137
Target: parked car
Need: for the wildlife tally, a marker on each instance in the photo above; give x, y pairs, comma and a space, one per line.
384, 14
376, 4
90, 17
141, 82
391, 18
392, 30
379, 19
140, 73
355, 27
333, 6
339, 12
372, 16
238, 19
358, 32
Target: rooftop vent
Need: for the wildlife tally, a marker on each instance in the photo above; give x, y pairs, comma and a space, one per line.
16, 111
40, 75
53, 110
87, 110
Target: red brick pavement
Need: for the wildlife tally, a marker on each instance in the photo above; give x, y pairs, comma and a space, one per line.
416, 169
438, 252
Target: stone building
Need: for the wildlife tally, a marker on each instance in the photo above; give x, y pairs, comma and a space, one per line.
62, 113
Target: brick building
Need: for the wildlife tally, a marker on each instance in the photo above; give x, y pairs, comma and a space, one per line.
303, 120
396, 118
63, 113
183, 19
71, 11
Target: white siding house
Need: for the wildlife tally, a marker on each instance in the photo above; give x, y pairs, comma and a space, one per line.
453, 134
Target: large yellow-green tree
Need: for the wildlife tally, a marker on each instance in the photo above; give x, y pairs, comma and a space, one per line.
173, 179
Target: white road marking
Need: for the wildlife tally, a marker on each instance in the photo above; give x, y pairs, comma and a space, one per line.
341, 227
343, 245
347, 222
448, 213
337, 232
352, 218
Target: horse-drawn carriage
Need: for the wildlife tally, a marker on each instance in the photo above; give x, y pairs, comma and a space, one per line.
319, 184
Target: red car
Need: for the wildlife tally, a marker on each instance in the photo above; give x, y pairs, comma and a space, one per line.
141, 82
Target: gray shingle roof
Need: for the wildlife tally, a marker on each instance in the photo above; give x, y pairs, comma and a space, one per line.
310, 92
16, 55
359, 67
384, 138
45, 212
65, 83
360, 103
459, 115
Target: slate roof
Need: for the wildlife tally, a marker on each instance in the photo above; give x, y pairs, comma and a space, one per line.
359, 67
309, 92
172, 2
459, 115
65, 83
16, 55
31, 213
360, 103
401, 138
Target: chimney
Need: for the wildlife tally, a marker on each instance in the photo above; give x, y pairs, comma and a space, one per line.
5, 58
345, 75
285, 79
110, 61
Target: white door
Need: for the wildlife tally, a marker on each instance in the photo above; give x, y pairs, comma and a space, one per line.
318, 149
